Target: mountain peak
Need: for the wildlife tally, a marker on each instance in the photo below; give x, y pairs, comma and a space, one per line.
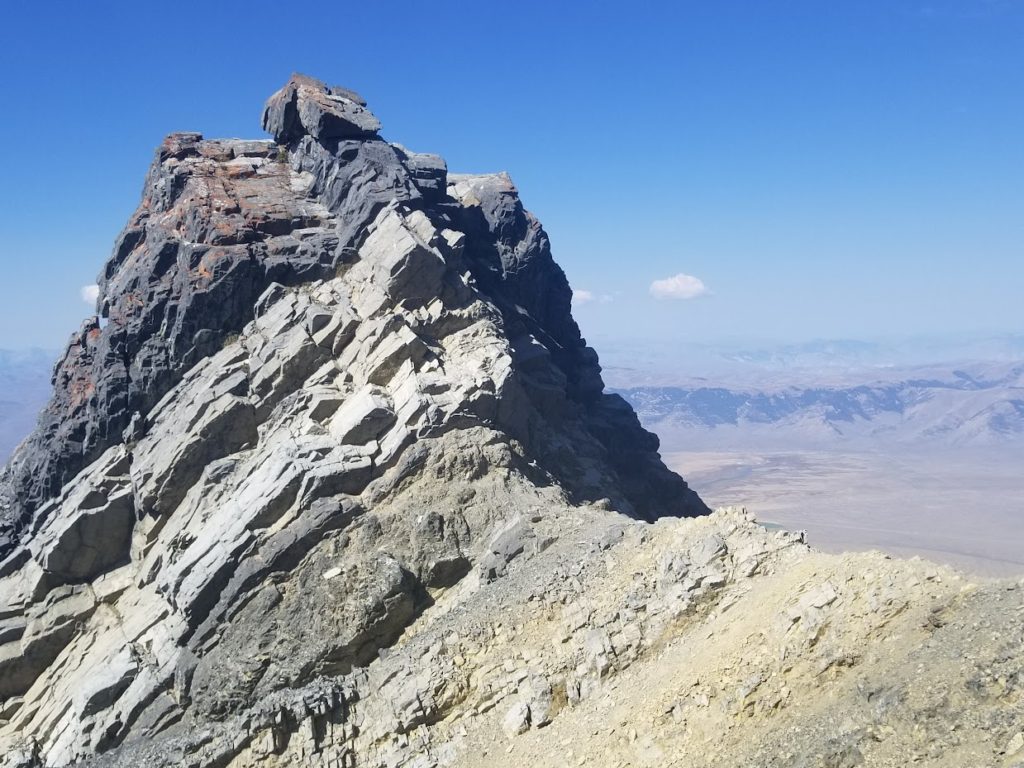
321, 361
333, 480
306, 106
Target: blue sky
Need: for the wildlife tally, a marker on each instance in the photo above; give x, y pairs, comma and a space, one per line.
824, 169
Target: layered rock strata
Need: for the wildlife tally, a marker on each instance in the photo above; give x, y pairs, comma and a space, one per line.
222, 221
328, 382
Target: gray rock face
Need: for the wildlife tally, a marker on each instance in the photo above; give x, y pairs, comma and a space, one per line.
90, 531
220, 221
306, 106
331, 381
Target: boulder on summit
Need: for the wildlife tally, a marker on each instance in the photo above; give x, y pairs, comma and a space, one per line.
332, 383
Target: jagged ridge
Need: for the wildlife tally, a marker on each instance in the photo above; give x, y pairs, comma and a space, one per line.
329, 380
220, 221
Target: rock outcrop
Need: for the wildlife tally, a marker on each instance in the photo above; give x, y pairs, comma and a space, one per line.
332, 481
328, 382
222, 221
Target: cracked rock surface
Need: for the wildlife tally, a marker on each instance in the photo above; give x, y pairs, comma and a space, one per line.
225, 226
331, 480
326, 383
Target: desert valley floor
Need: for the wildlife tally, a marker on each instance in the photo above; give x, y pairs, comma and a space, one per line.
963, 509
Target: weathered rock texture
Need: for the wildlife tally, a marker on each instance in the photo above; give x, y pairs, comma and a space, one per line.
222, 221
336, 484
327, 383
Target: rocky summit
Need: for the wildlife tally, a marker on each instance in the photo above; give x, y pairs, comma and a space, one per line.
226, 229
326, 378
332, 480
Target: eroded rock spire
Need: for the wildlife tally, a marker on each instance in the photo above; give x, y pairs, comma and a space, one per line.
324, 361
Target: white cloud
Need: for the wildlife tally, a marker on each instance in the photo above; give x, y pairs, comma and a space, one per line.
581, 297
679, 287
90, 293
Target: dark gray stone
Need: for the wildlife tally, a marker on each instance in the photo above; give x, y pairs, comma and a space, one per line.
306, 106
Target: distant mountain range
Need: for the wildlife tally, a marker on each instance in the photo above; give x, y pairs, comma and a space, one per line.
897, 352
980, 403
630, 363
970, 403
24, 389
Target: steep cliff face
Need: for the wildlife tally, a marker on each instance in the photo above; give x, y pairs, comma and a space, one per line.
327, 383
221, 221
